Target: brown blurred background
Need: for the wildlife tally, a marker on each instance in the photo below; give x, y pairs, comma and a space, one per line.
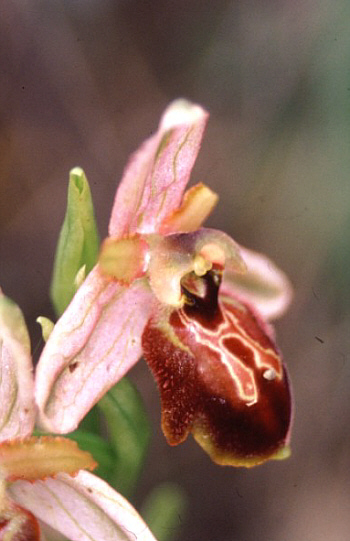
83, 82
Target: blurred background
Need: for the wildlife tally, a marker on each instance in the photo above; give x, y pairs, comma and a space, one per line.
83, 82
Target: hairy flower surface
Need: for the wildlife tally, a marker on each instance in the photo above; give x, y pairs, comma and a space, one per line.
43, 480
189, 298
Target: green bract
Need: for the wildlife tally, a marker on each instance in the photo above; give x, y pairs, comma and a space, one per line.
78, 242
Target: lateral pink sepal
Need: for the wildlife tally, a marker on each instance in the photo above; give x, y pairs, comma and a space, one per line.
17, 410
94, 343
155, 178
264, 286
82, 508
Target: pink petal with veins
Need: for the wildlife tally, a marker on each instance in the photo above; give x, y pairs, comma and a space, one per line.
264, 286
17, 409
156, 175
94, 343
83, 508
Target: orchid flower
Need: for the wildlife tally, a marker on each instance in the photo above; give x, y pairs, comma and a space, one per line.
189, 299
44, 485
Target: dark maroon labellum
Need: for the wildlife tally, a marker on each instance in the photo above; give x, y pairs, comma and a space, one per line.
219, 374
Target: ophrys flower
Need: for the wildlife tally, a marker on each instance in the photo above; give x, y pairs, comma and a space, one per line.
190, 299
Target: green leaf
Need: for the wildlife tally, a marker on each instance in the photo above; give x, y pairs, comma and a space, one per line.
92, 422
164, 511
128, 432
78, 242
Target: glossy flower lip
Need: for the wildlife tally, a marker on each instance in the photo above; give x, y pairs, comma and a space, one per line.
43, 480
155, 240
220, 376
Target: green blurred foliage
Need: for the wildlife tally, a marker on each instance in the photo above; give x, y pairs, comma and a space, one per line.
164, 511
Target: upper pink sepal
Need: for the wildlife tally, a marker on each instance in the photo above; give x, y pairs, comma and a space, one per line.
264, 286
82, 508
17, 410
94, 343
155, 178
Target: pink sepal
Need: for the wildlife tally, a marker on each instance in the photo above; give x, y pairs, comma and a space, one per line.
17, 408
95, 342
264, 286
82, 508
155, 178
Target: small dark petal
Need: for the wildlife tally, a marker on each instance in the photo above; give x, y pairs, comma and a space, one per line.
220, 377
